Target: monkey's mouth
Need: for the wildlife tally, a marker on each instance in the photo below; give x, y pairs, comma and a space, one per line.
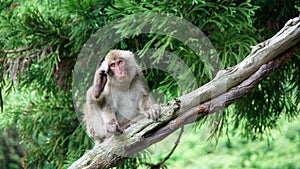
122, 78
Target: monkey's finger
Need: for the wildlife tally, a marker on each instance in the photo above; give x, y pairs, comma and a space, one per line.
153, 114
118, 131
103, 82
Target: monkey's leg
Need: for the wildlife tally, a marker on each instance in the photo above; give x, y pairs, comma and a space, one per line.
112, 125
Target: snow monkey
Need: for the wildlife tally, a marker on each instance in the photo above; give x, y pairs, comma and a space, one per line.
119, 93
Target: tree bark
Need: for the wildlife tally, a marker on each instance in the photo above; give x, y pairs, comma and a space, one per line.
229, 85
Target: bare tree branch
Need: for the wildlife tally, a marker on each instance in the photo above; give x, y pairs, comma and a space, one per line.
17, 50
161, 164
228, 86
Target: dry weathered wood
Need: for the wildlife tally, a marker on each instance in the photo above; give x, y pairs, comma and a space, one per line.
229, 84
261, 54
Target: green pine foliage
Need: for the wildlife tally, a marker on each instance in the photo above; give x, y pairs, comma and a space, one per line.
41, 40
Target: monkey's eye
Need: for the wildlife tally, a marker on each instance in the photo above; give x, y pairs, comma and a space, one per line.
121, 62
112, 65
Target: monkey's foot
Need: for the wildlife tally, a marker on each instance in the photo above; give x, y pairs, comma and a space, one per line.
113, 127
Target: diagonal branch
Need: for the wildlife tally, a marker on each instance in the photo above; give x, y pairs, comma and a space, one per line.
228, 86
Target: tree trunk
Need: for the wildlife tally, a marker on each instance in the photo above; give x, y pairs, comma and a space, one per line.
229, 85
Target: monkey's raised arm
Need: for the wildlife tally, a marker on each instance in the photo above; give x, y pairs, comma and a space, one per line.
100, 80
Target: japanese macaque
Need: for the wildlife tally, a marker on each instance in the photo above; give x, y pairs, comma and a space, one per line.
118, 95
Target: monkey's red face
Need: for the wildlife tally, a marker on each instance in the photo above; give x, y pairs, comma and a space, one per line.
119, 68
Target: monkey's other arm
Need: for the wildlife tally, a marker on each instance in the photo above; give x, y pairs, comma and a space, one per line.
146, 103
150, 108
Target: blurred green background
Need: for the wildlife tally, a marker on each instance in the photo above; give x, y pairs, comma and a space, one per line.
40, 41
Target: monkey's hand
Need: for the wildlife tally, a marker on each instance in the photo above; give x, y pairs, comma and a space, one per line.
113, 127
99, 82
104, 66
153, 112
